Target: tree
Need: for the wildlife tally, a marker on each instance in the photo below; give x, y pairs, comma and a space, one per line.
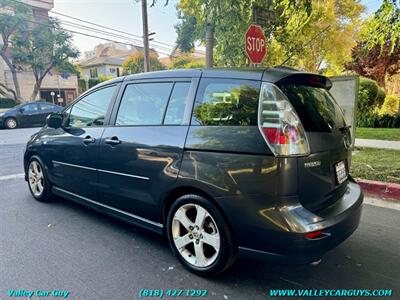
135, 63
230, 20
375, 63
303, 31
14, 19
324, 43
377, 54
390, 106
186, 61
44, 47
384, 26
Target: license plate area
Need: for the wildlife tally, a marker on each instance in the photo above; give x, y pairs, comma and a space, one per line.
341, 172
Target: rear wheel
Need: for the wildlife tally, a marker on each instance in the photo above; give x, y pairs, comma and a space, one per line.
38, 181
199, 236
11, 123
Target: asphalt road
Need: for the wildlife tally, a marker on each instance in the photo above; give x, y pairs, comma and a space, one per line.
65, 246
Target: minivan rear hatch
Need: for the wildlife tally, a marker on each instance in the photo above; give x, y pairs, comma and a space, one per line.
322, 175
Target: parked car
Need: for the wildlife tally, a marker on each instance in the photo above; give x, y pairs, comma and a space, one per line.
226, 163
30, 114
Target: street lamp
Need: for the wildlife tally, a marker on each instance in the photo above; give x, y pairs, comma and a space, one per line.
52, 96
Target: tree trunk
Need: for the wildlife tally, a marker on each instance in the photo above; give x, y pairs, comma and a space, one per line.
209, 45
7, 91
14, 76
39, 78
36, 89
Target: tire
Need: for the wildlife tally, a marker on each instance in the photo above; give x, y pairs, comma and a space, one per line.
206, 250
10, 123
38, 180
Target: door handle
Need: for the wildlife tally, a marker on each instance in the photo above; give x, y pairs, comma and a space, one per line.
89, 139
113, 141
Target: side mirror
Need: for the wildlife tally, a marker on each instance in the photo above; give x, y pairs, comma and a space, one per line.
55, 120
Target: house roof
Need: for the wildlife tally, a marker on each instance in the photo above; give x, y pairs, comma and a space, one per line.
102, 60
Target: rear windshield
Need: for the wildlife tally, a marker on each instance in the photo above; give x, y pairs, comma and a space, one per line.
316, 108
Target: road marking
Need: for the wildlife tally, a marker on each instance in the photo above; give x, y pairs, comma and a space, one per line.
393, 204
13, 176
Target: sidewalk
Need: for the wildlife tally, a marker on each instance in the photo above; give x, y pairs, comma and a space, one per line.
395, 145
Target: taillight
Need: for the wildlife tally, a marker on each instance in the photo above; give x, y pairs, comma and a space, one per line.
280, 124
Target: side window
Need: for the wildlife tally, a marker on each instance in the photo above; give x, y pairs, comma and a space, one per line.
229, 102
177, 104
91, 110
32, 107
45, 106
143, 103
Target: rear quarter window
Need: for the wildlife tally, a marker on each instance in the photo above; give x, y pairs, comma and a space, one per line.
226, 102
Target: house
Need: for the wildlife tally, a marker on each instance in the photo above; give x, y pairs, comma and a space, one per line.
105, 60
63, 86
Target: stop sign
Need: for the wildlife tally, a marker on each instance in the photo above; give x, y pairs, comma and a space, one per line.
255, 44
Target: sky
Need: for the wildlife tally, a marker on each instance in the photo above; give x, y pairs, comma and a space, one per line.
126, 15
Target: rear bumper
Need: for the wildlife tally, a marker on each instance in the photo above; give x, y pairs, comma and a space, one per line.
279, 234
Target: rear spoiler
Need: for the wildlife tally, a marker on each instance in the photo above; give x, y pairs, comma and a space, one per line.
285, 75
312, 80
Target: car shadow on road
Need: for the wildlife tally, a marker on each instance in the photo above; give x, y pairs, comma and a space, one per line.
350, 266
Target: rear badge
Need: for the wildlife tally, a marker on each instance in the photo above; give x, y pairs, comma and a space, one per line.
312, 164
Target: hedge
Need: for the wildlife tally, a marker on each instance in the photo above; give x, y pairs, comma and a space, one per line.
372, 120
81, 85
7, 102
93, 82
370, 96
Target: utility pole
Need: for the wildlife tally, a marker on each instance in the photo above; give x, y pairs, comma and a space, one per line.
209, 45
145, 36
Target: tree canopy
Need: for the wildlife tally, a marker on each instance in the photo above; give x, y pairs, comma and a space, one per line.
14, 17
384, 27
186, 61
135, 63
377, 53
300, 33
44, 47
375, 63
37, 46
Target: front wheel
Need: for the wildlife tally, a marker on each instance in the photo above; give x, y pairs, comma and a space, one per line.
38, 182
199, 236
11, 123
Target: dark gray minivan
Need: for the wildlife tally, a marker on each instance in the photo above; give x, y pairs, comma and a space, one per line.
225, 162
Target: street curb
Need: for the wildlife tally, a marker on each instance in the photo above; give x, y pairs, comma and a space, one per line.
390, 191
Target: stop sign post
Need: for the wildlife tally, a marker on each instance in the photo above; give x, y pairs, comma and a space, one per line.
255, 47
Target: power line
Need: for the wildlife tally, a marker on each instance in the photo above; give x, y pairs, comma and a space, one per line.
109, 28
67, 23
91, 35
95, 24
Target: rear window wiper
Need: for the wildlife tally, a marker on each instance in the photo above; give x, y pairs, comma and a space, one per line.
345, 128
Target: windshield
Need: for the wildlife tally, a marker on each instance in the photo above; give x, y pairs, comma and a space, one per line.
316, 108
18, 106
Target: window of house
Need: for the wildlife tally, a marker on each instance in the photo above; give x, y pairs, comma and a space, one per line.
93, 73
91, 109
229, 102
144, 103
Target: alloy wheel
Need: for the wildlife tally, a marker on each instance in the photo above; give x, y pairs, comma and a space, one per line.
11, 123
196, 235
36, 178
